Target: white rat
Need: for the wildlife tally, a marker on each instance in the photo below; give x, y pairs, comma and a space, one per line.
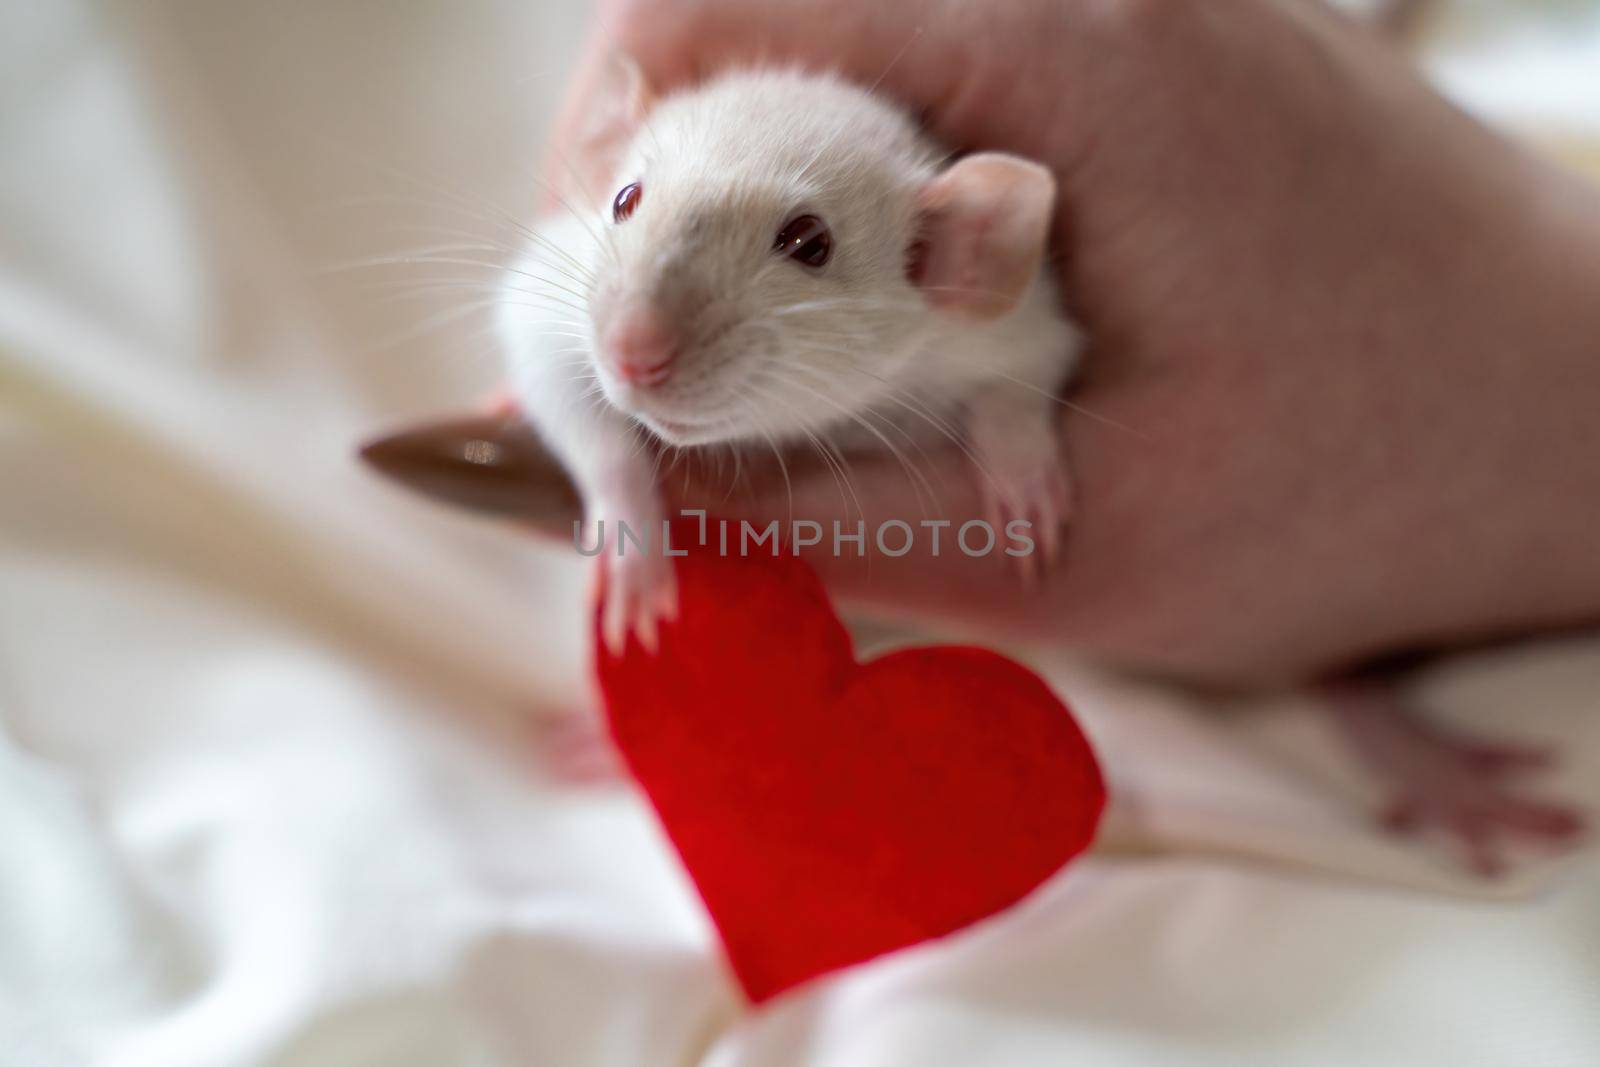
779, 255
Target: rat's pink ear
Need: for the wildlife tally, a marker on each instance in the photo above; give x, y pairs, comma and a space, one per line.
614, 112
985, 222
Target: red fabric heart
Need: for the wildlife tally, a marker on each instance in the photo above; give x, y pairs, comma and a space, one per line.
830, 811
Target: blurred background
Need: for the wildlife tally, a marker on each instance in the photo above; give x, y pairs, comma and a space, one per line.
270, 787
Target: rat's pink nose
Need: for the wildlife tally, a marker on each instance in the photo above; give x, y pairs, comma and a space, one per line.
641, 347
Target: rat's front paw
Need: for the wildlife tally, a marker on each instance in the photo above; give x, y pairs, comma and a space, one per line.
639, 592
1464, 792
1024, 478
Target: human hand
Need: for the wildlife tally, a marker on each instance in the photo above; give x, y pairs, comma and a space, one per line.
1342, 386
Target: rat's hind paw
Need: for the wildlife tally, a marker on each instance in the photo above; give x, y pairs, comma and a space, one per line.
1481, 824
639, 594
1449, 784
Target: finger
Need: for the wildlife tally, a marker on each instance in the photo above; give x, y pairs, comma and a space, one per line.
1549, 822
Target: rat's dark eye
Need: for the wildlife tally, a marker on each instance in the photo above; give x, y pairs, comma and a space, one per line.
805, 240
626, 202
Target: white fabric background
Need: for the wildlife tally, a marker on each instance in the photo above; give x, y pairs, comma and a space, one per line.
271, 788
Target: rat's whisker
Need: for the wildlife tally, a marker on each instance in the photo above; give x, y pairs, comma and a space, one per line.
457, 313
494, 293
541, 304
849, 473
436, 186
738, 470
423, 254
832, 304
900, 397
847, 492
514, 271
486, 243
916, 33
841, 479
490, 284
845, 131
966, 290
1079, 408
909, 402
464, 207
433, 322
449, 255
655, 466
561, 333
753, 413
918, 479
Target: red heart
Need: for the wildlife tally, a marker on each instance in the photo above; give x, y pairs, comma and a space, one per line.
830, 811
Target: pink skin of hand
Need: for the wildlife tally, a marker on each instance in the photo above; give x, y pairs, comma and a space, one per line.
1394, 449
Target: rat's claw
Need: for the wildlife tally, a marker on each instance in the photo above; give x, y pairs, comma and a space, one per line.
613, 623
645, 627
1034, 489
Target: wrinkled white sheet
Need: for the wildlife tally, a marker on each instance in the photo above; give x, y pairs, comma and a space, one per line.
270, 784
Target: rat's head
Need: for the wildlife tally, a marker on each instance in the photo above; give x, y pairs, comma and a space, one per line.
774, 245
